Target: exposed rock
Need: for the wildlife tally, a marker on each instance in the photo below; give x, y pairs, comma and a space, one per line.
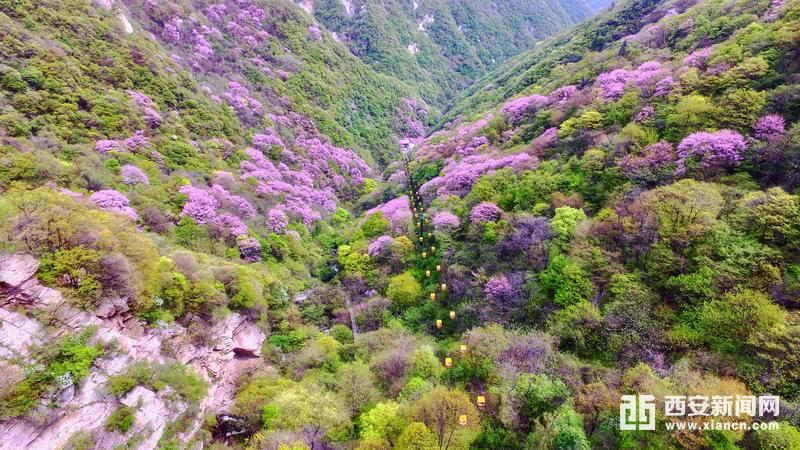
111, 307
87, 405
247, 340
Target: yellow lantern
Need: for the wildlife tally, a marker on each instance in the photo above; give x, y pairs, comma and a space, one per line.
438, 268
420, 238
438, 323
448, 362
427, 274
430, 234
462, 420
481, 401
424, 254
463, 348
419, 224
452, 315
444, 287
433, 249
433, 296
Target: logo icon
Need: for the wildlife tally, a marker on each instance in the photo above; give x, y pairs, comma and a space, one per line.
637, 412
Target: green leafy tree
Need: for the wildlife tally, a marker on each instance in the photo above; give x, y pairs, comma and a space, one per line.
404, 290
416, 436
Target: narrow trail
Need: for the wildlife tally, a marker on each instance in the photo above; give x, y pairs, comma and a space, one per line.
435, 275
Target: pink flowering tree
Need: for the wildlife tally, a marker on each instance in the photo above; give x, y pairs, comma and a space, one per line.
769, 127
380, 246
611, 85
200, 206
250, 249
657, 162
133, 175
713, 151
518, 109
114, 201
485, 212
277, 220
446, 221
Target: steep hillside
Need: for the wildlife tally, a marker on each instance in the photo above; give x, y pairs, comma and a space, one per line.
210, 239
442, 46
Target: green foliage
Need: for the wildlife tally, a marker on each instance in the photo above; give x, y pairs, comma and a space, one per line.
566, 281
65, 363
121, 420
416, 436
404, 291
375, 225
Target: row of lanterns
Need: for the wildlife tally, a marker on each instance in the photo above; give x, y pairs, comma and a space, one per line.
416, 204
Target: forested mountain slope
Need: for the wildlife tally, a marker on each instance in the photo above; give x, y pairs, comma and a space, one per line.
209, 239
442, 46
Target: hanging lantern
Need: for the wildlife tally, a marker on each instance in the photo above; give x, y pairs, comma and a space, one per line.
444, 287
427, 274
438, 268
462, 420
452, 315
481, 401
430, 234
424, 254
439, 323
448, 362
420, 238
463, 349
433, 249
433, 296
419, 224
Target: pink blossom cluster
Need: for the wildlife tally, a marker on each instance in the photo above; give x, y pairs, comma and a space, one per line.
137, 141
656, 163
200, 206
239, 98
563, 94
714, 150
612, 84
485, 212
151, 116
314, 33
216, 207
445, 221
769, 127
545, 140
133, 175
698, 58
172, 30
498, 288
645, 114
665, 86
410, 115
471, 147
250, 249
518, 109
457, 177
114, 201
646, 73
267, 139
200, 46
397, 211
380, 246
104, 146
277, 222
233, 202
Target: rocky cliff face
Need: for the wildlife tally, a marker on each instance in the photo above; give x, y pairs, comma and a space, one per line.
32, 314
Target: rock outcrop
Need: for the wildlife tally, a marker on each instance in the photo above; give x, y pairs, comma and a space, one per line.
33, 315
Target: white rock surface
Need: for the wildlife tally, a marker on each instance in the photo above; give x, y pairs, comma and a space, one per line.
234, 345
